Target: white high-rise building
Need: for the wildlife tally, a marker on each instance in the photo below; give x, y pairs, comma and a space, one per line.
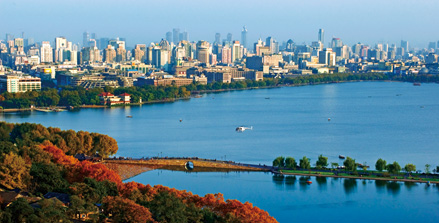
236, 51
46, 52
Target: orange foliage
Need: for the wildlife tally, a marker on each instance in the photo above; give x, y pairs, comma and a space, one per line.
99, 172
125, 210
58, 156
80, 170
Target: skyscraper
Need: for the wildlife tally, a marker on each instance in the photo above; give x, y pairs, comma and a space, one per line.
176, 35
217, 38
229, 37
336, 42
322, 36
85, 39
405, 45
432, 45
185, 36
169, 37
244, 37
9, 37
273, 44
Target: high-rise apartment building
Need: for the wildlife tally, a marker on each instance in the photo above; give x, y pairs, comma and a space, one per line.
139, 52
109, 54
226, 55
203, 51
236, 51
46, 52
18, 42
257, 46
121, 54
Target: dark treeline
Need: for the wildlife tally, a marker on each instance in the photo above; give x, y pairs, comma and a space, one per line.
77, 96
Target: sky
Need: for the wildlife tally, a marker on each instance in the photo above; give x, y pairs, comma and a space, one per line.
146, 21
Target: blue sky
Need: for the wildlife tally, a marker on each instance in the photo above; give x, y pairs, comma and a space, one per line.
143, 21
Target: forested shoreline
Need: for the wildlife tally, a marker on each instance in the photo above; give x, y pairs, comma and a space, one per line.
78, 96
56, 187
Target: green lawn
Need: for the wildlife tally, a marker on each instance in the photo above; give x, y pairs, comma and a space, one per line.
308, 172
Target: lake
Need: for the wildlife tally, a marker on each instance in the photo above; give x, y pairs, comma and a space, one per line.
363, 120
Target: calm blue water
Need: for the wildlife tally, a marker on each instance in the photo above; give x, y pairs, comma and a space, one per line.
369, 120
290, 199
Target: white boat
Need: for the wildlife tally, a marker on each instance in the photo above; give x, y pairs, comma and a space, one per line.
243, 128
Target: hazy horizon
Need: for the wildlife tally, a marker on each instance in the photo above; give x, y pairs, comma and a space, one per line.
368, 22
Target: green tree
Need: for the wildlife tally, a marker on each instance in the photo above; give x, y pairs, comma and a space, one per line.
290, 163
322, 162
350, 164
380, 165
304, 163
409, 168
393, 168
52, 211
47, 177
334, 165
167, 208
279, 162
21, 211
427, 168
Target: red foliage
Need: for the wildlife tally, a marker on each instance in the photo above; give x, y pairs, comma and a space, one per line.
132, 212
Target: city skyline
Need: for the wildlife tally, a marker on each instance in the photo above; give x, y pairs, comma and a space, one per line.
352, 22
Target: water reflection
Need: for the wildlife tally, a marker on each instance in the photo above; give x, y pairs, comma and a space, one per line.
321, 181
303, 185
20, 114
380, 186
410, 185
350, 185
393, 187
278, 180
290, 181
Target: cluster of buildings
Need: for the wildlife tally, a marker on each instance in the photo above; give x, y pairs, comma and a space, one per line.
175, 60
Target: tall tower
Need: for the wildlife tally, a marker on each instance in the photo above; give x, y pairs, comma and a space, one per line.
176, 35
218, 38
169, 36
85, 39
405, 45
244, 37
322, 36
229, 37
